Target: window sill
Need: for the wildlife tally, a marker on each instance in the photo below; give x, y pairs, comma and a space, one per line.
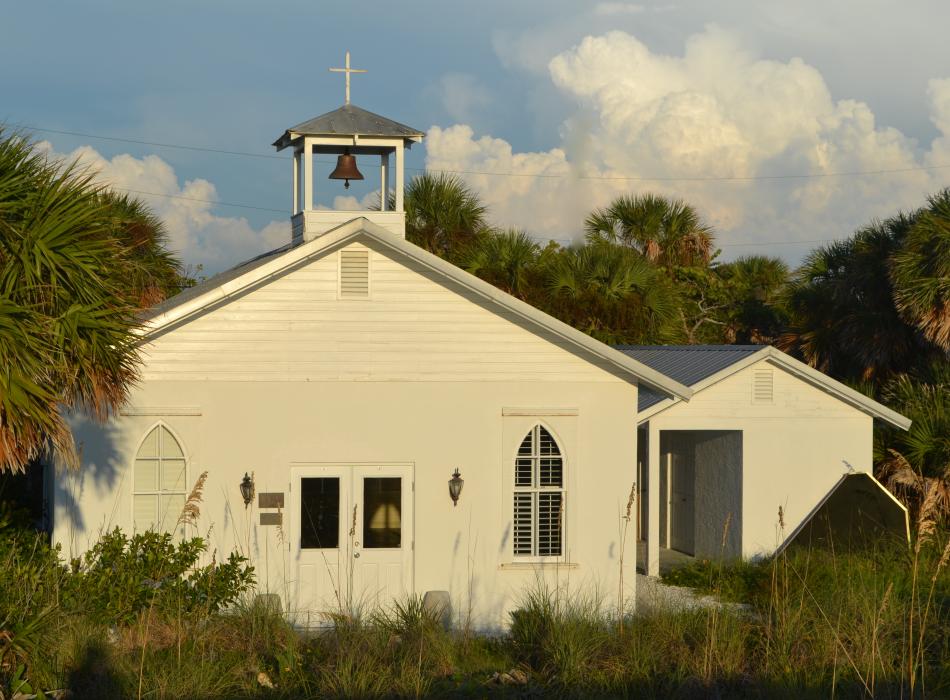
537, 564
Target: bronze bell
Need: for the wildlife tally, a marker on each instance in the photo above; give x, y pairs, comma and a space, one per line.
346, 169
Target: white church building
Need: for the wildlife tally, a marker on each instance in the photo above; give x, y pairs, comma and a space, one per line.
375, 422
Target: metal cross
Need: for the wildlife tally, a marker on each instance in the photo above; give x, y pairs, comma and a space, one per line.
347, 70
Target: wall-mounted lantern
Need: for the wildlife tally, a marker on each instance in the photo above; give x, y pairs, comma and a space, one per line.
455, 487
247, 489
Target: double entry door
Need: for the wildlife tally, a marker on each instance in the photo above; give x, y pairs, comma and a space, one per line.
352, 537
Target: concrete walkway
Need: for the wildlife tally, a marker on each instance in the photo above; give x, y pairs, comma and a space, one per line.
654, 596
669, 559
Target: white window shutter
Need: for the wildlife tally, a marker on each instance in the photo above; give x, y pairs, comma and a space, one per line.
159, 476
549, 524
144, 511
538, 518
523, 520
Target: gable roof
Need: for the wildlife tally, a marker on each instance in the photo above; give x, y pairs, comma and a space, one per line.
687, 364
257, 272
348, 120
701, 366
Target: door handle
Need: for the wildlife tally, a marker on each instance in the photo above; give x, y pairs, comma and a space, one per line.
356, 555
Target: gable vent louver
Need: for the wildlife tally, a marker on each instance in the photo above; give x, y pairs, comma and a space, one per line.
762, 391
354, 274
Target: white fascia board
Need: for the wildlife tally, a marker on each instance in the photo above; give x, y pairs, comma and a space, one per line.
804, 372
645, 415
838, 390
362, 226
824, 499
644, 373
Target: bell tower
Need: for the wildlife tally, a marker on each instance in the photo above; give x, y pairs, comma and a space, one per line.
357, 138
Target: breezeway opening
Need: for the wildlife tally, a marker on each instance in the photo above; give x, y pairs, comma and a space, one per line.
700, 495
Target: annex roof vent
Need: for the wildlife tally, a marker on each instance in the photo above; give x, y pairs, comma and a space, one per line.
762, 386
354, 274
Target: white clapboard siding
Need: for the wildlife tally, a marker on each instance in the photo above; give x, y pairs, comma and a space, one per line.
363, 315
763, 390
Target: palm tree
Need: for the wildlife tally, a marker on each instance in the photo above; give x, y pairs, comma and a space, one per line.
842, 316
443, 215
508, 259
668, 232
921, 271
754, 312
154, 272
611, 293
916, 463
70, 287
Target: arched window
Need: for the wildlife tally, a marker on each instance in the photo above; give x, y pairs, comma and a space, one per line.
158, 481
539, 496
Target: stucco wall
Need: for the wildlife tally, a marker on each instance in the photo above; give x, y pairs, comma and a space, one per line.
794, 448
265, 427
718, 459
420, 374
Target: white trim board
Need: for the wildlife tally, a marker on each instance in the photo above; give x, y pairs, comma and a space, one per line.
824, 499
160, 411
508, 411
800, 370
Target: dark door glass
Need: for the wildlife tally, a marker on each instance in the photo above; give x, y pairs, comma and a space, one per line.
382, 512
320, 513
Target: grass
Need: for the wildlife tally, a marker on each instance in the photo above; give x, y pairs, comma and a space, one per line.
813, 624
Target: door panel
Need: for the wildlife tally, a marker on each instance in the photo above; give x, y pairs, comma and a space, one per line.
351, 537
383, 552
318, 499
682, 498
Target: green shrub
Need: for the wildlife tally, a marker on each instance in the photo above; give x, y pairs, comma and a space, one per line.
122, 576
31, 576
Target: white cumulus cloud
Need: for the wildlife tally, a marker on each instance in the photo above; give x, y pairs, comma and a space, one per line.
196, 233
674, 123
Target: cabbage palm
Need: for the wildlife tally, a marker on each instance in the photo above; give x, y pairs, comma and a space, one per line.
754, 286
668, 232
921, 271
153, 273
443, 215
507, 259
70, 286
611, 293
916, 463
842, 316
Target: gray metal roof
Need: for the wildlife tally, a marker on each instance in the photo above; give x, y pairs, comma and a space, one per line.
349, 120
216, 281
686, 364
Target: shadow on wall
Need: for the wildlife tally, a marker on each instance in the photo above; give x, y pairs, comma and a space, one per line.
100, 469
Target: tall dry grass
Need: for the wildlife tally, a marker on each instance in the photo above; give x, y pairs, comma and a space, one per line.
808, 623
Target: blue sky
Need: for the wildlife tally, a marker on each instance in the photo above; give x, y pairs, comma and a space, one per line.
584, 93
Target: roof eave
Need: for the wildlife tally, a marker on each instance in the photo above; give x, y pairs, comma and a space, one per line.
839, 390
288, 137
802, 371
351, 229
